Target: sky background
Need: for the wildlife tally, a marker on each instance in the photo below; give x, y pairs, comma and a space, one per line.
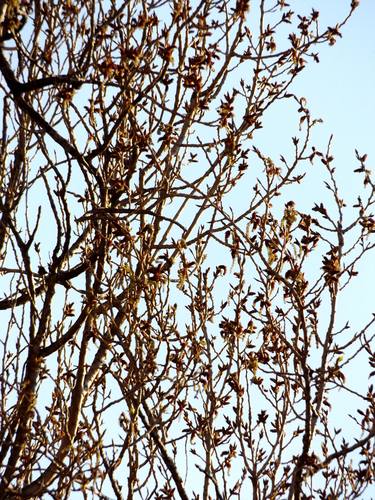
341, 91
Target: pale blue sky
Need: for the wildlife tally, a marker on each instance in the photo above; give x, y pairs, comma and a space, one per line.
341, 91
341, 87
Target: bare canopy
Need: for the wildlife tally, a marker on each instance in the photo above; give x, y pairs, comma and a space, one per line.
170, 317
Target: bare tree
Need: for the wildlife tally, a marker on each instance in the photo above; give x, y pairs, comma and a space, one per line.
132, 364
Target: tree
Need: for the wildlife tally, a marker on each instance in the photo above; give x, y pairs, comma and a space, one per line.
133, 365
